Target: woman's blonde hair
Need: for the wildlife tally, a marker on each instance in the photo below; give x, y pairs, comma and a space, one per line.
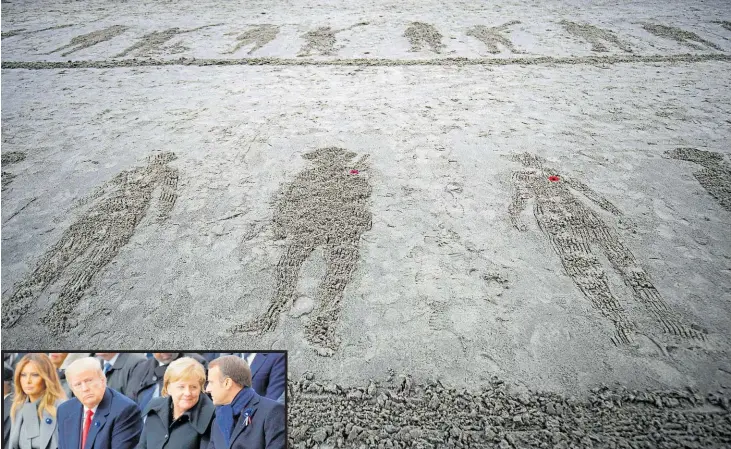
52, 392
184, 368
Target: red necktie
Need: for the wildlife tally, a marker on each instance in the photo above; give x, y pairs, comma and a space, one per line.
87, 424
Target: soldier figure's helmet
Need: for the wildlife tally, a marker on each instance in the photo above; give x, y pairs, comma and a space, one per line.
329, 155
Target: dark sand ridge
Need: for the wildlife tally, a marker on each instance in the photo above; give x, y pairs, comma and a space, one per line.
90, 39
93, 240
421, 35
678, 35
491, 36
597, 37
715, 176
259, 36
326, 206
400, 413
7, 179
574, 229
372, 62
724, 23
10, 158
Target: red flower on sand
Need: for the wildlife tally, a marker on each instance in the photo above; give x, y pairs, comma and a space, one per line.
554, 178
354, 172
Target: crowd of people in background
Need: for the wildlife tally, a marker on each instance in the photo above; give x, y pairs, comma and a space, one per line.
144, 401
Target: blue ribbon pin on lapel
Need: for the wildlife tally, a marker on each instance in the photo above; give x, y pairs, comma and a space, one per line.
96, 424
49, 420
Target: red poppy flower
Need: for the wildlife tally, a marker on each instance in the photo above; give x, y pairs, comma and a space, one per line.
354, 172
554, 178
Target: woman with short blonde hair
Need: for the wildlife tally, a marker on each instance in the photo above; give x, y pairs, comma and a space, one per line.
183, 368
38, 393
183, 413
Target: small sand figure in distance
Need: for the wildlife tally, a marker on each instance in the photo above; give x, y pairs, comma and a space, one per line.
575, 230
325, 205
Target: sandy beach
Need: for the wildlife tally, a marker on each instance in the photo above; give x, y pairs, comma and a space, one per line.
396, 193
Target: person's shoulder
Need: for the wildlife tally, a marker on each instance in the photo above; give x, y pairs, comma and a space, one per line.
156, 405
270, 404
120, 400
68, 405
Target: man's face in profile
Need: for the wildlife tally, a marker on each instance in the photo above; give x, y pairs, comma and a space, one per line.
216, 386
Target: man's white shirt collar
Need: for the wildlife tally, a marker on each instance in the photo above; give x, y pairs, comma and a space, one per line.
113, 360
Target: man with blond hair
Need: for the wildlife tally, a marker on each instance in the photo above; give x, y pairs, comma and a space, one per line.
244, 420
97, 417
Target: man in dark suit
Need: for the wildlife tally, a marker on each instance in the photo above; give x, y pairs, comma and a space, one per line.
7, 402
97, 417
118, 367
268, 373
244, 420
146, 379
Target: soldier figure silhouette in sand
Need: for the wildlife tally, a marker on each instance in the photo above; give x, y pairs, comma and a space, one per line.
93, 240
575, 231
325, 205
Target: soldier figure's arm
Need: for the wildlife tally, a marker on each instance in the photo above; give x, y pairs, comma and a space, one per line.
521, 195
593, 196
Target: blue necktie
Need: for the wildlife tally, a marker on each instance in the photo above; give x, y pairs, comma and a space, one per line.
107, 367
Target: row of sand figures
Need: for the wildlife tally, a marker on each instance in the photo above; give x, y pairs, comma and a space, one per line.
327, 206
321, 41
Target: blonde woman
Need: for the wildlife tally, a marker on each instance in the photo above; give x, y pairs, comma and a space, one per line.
38, 393
181, 418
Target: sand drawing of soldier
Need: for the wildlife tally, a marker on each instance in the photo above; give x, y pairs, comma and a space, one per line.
93, 240
715, 176
325, 205
575, 231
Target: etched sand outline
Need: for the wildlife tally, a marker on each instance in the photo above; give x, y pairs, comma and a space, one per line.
20, 31
678, 35
90, 39
88, 245
324, 206
322, 40
422, 34
574, 230
715, 176
260, 35
597, 37
492, 37
153, 42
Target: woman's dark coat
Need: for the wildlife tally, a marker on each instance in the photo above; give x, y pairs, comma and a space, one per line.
192, 430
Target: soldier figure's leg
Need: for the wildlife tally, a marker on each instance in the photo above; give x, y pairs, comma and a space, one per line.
51, 267
341, 260
587, 273
287, 273
635, 277
81, 273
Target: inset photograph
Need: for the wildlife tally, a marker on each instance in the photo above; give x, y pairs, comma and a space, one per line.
139, 400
